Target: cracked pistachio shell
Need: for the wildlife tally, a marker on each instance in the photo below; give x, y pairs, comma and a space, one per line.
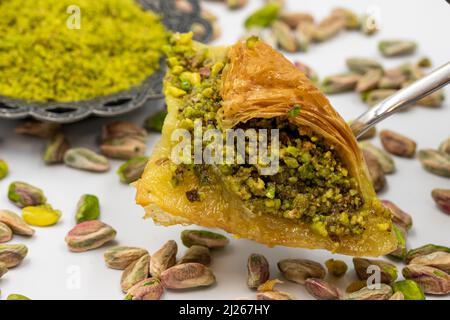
164, 258
121, 257
24, 195
208, 239
388, 270
15, 223
322, 290
431, 280
257, 270
5, 233
384, 159
56, 149
435, 162
188, 275
135, 273
442, 199
89, 235
382, 293
439, 260
4, 169
148, 289
424, 250
409, 289
132, 170
88, 208
3, 269
41, 216
197, 254
298, 270
399, 217
85, 159
11, 255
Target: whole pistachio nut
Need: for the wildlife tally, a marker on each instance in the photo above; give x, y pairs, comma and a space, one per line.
205, 238
197, 254
322, 290
395, 48
236, 4
392, 79
89, 235
164, 258
375, 170
431, 280
123, 129
3, 269
388, 270
4, 169
425, 250
121, 257
11, 255
401, 250
384, 292
397, 296
263, 17
23, 195
435, 162
328, 28
135, 273
412, 72
15, 223
409, 289
356, 286
123, 148
425, 62
445, 146
433, 100
148, 289
285, 38
294, 19
274, 295
398, 144
442, 199
298, 270
369, 80
352, 21
376, 96
304, 34
155, 121
337, 268
399, 217
340, 83
85, 159
356, 126
132, 170
5, 233
38, 129
257, 270
384, 159
56, 149
187, 275
16, 296
439, 260
362, 65
88, 208
369, 24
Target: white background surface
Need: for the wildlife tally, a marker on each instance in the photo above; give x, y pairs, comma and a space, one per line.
46, 272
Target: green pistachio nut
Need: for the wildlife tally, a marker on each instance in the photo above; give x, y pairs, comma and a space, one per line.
148, 289
322, 290
264, 16
388, 270
399, 217
24, 195
298, 270
164, 258
88, 208
410, 290
15, 223
11, 255
132, 170
187, 275
85, 159
337, 268
135, 273
89, 235
431, 280
386, 161
56, 149
4, 169
205, 238
435, 162
395, 48
5, 233
197, 254
425, 250
17, 297
121, 257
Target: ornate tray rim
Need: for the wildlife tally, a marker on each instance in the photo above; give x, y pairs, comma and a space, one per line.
123, 101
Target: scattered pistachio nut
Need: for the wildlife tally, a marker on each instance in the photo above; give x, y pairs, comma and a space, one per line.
155, 122
356, 286
294, 19
425, 250
375, 170
401, 250
431, 280
263, 17
15, 223
352, 21
392, 79
304, 34
384, 292
3, 269
445, 146
187, 275
273, 295
85, 159
123, 129
121, 257
397, 296
298, 270
395, 48
4, 169
38, 129
435, 162
148, 289
257, 270
409, 289
89, 235
132, 170
369, 80
337, 268
285, 38
340, 83
439, 260
362, 65
135, 273
197, 254
15, 296
442, 199
328, 28
41, 216
388, 270
398, 144
384, 159
205, 238
164, 258
123, 148
433, 100
374, 97
24, 195
424, 62
88, 208
236, 4
6, 233
11, 255
56, 149
322, 290
399, 217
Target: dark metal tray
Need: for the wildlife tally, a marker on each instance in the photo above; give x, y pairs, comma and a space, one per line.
122, 102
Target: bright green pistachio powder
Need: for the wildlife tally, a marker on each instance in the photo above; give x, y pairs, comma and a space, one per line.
117, 46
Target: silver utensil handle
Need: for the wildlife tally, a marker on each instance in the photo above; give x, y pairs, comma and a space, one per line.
407, 96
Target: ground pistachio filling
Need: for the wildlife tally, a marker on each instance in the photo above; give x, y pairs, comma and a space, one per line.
312, 185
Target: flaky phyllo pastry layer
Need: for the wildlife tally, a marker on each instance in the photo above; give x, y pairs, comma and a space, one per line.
320, 197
